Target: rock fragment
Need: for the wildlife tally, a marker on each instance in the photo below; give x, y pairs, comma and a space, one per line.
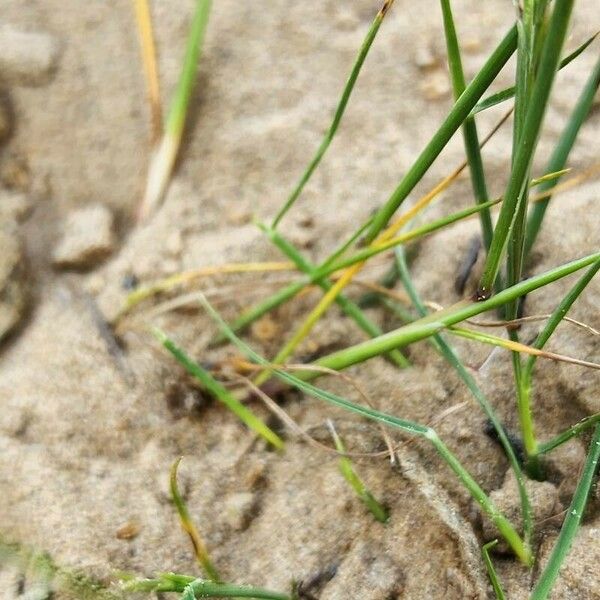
27, 57
87, 239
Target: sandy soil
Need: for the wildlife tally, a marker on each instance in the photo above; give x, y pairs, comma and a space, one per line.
85, 450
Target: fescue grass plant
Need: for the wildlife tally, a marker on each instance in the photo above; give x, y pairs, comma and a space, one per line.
509, 228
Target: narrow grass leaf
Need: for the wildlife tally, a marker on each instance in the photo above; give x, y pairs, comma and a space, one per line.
453, 121
570, 433
523, 157
349, 307
504, 526
219, 391
471, 138
144, 23
163, 160
355, 482
508, 93
450, 355
453, 315
560, 312
200, 550
339, 112
489, 565
571, 524
561, 153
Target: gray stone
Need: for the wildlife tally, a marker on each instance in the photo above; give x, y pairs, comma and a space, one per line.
87, 238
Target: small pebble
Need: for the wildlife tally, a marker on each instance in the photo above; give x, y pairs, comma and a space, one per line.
128, 531
87, 238
27, 57
238, 510
238, 216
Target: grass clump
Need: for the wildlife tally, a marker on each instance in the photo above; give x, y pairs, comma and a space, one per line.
537, 38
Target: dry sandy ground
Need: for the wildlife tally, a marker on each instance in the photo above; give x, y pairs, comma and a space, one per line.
85, 452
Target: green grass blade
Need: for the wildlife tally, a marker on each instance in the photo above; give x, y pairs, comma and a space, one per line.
508, 93
570, 433
561, 153
283, 295
489, 565
200, 550
192, 587
571, 523
453, 121
327, 267
221, 393
435, 322
471, 138
355, 482
503, 525
349, 307
559, 313
448, 352
339, 112
200, 588
526, 145
164, 158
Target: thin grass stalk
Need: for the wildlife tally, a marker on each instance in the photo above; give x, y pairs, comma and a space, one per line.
435, 322
453, 121
200, 551
349, 307
526, 145
504, 526
471, 138
219, 391
200, 588
528, 55
333, 293
525, 379
164, 158
571, 524
450, 355
146, 33
508, 93
288, 292
565, 436
329, 267
354, 481
491, 571
339, 112
561, 153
